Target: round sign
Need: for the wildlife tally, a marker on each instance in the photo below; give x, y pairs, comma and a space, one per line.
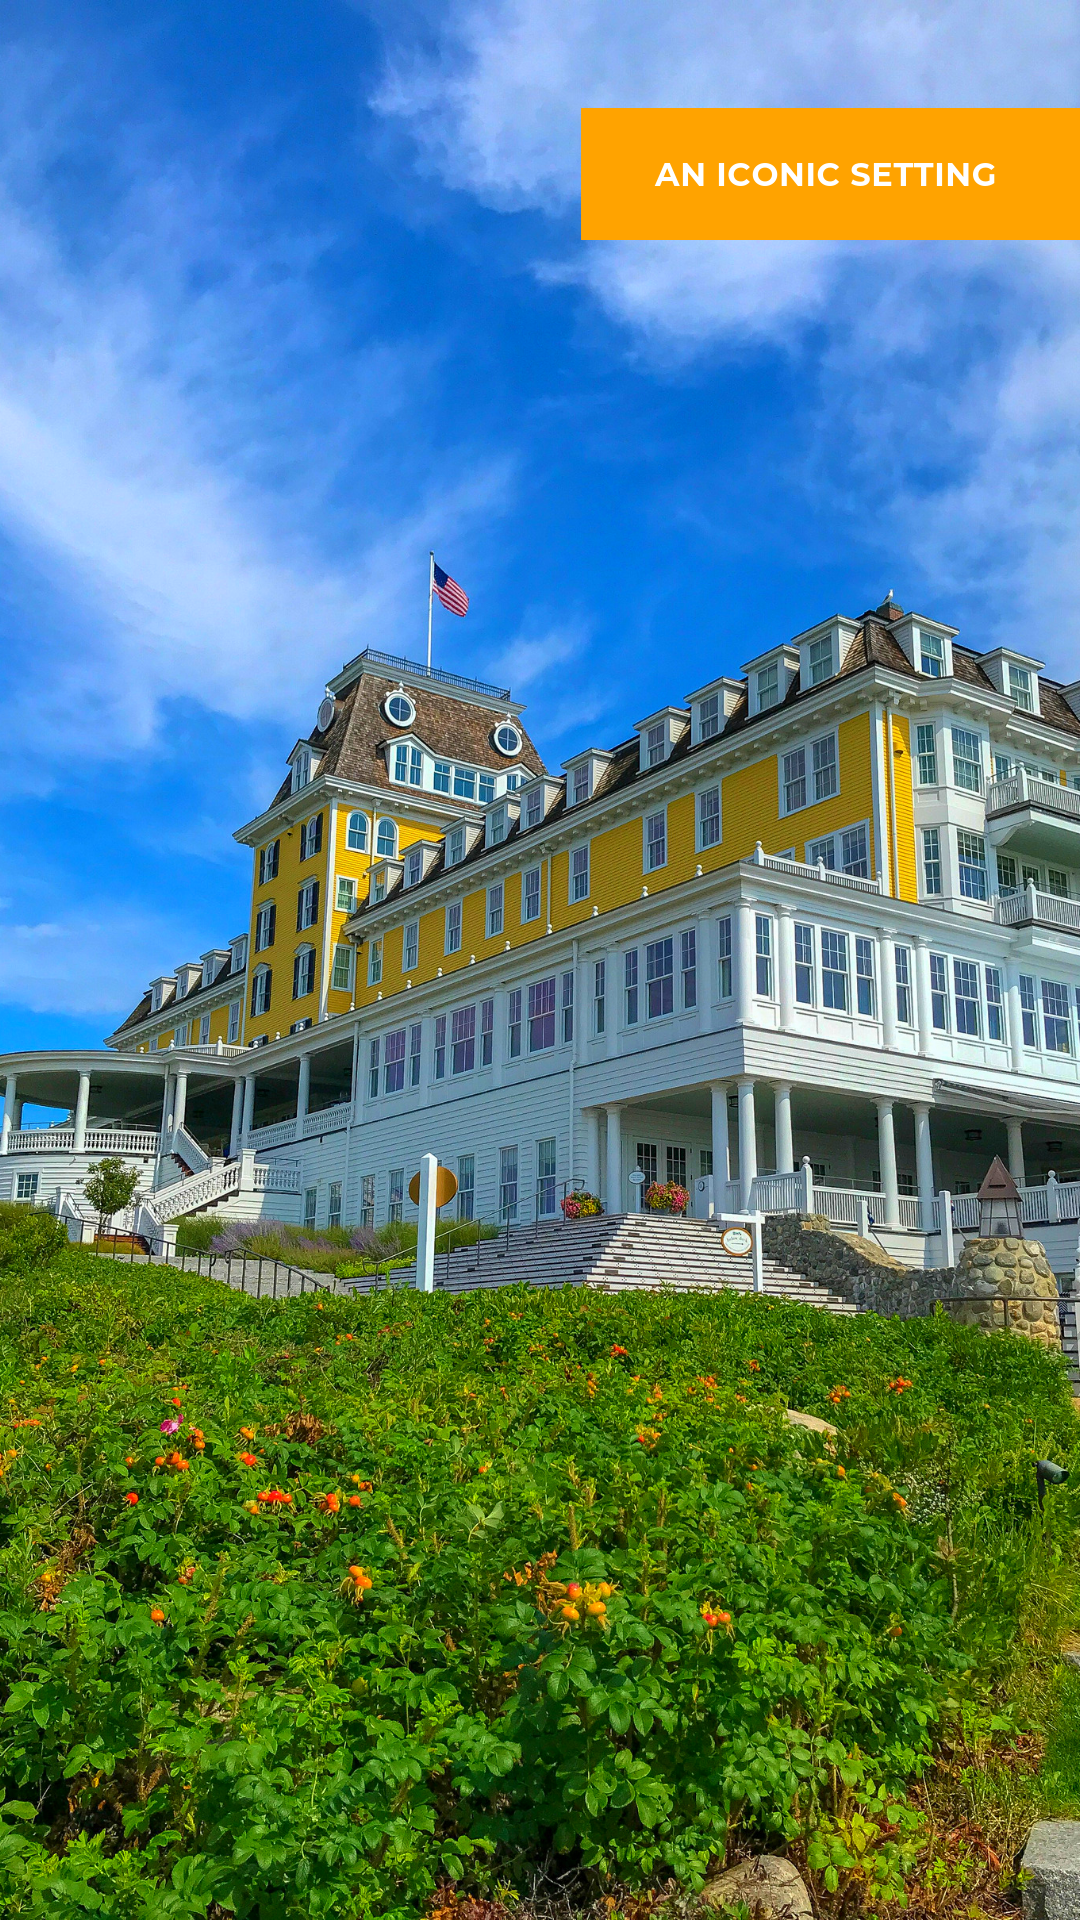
737, 1240
445, 1187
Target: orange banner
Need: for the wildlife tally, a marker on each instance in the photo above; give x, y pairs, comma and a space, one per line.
830, 173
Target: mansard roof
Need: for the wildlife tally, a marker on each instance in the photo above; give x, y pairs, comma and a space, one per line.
353, 745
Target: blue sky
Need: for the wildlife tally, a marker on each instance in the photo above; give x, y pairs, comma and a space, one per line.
288, 295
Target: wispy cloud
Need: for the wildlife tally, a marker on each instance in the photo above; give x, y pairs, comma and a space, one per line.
177, 413
941, 383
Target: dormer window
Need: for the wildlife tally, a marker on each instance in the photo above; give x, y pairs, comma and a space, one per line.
534, 808
582, 782
819, 656
408, 764
162, 990
497, 826
455, 846
1020, 687
768, 686
238, 951
710, 718
301, 772
657, 735
654, 746
378, 887
399, 709
414, 868
931, 654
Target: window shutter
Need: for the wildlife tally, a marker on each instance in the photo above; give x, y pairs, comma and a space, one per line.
270, 924
300, 911
316, 840
315, 894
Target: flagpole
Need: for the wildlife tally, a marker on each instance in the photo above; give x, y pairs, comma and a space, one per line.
430, 597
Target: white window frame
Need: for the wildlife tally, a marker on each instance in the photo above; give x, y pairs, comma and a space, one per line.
375, 962
410, 946
579, 875
648, 845
702, 845
529, 873
345, 894
495, 909
343, 950
452, 927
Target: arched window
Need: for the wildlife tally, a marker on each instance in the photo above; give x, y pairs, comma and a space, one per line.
261, 981
356, 833
386, 840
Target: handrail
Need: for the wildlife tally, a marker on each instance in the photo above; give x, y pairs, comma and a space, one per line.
1022, 789
1027, 905
401, 665
805, 870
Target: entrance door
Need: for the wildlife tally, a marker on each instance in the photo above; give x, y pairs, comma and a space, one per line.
647, 1158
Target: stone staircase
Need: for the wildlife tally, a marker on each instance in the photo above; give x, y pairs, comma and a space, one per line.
616, 1253
1069, 1309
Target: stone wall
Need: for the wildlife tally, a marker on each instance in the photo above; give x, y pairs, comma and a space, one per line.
858, 1270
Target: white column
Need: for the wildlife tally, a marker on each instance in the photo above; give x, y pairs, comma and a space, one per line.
1015, 1015
890, 1184
1015, 1131
591, 1117
17, 1120
237, 1116
303, 1089
249, 1108
613, 1197
180, 1103
425, 1226
747, 1140
82, 1107
887, 986
744, 962
785, 1152
922, 993
785, 966
721, 1168
924, 1162
10, 1084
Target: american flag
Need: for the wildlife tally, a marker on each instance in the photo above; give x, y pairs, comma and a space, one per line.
451, 595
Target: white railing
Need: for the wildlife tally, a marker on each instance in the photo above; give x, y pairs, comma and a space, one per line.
98, 1140
1049, 909
271, 1179
216, 1049
965, 1212
273, 1136
778, 1193
328, 1119
1021, 789
187, 1196
854, 882
1069, 1200
1034, 1207
187, 1149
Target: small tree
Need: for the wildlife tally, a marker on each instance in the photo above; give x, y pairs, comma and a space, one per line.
110, 1187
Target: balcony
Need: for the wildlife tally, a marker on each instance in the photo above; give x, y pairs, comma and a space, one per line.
1035, 818
1030, 908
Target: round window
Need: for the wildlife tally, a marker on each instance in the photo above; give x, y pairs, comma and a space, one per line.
399, 708
507, 738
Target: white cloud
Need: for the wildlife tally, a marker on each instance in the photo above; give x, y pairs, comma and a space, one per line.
86, 964
178, 420
941, 383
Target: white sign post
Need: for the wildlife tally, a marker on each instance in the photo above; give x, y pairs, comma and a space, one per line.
425, 1231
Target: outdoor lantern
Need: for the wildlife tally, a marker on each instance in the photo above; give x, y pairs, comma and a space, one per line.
999, 1205
1047, 1472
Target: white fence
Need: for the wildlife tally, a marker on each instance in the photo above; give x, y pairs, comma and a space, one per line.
1049, 909
323, 1120
1021, 789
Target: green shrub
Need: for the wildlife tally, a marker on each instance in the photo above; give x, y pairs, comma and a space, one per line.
29, 1237
203, 1704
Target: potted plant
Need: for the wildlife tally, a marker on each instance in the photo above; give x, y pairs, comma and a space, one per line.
666, 1197
580, 1206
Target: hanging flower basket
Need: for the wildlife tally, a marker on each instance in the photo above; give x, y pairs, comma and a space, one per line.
580, 1206
666, 1197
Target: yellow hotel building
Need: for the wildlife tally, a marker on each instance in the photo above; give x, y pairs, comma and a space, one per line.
809, 935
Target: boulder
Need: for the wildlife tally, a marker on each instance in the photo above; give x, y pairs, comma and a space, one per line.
810, 1421
1006, 1285
1051, 1866
770, 1886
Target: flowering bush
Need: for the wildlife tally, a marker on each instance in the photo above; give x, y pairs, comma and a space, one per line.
581, 1206
593, 1596
666, 1197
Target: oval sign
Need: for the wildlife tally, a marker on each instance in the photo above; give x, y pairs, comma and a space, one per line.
737, 1240
445, 1187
